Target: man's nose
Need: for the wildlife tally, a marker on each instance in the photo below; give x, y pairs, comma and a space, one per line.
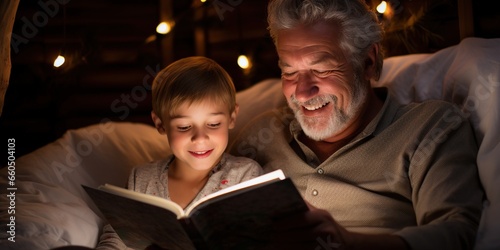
307, 86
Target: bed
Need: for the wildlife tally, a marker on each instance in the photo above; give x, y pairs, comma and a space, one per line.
51, 209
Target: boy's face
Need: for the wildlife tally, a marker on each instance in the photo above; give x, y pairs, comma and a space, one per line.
198, 133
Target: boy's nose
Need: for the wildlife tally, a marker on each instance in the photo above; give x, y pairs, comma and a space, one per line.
199, 135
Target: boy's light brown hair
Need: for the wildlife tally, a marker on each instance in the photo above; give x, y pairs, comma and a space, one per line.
191, 80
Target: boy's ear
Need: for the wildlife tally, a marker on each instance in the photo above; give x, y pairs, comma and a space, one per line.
232, 121
158, 123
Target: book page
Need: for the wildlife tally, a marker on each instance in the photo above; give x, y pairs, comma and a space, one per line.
271, 176
145, 198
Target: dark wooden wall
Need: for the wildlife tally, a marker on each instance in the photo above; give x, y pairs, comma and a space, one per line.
113, 53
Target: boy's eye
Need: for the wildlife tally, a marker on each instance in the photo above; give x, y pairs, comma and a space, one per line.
183, 128
214, 125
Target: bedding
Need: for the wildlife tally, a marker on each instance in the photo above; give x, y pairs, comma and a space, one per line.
51, 209
468, 75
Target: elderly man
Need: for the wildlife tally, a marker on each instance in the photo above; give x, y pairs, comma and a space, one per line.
377, 174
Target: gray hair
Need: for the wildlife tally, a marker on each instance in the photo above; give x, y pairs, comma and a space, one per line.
359, 25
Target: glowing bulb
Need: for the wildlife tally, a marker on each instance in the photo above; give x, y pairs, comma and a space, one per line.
243, 62
203, 1
163, 28
59, 61
382, 7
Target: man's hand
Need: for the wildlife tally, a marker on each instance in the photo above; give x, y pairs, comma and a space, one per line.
314, 229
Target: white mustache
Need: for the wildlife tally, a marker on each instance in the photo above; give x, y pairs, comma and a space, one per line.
314, 103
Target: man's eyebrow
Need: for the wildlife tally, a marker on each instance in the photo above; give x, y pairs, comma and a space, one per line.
323, 58
282, 64
319, 59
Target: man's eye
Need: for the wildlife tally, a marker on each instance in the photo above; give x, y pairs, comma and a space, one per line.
214, 125
322, 73
183, 128
288, 75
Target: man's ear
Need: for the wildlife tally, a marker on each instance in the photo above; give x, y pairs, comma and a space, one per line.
158, 123
371, 62
234, 114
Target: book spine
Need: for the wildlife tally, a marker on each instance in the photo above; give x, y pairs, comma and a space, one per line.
194, 234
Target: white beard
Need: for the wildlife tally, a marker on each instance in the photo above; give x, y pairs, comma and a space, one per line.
321, 128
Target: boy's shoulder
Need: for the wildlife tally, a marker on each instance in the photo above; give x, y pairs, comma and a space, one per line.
238, 160
152, 167
238, 163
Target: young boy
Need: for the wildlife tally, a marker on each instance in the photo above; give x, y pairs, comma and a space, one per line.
194, 105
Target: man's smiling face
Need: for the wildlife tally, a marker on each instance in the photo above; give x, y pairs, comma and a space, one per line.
318, 81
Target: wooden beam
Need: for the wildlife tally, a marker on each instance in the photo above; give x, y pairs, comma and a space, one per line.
8, 13
200, 31
465, 18
167, 41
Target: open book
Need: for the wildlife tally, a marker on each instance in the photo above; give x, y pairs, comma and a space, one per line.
237, 217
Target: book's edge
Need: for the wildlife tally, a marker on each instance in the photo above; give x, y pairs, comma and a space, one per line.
193, 233
271, 176
145, 198
139, 223
245, 218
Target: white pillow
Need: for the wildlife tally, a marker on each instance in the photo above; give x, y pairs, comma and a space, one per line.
468, 75
51, 207
261, 97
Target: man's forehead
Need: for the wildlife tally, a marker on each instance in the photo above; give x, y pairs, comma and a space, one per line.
329, 30
311, 59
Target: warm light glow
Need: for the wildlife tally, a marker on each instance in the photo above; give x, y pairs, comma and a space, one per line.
243, 62
163, 28
59, 61
203, 1
381, 8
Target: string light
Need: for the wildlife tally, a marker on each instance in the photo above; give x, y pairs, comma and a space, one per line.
243, 62
382, 7
163, 28
59, 61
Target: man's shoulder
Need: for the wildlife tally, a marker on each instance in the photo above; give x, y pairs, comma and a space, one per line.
432, 113
430, 108
434, 104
